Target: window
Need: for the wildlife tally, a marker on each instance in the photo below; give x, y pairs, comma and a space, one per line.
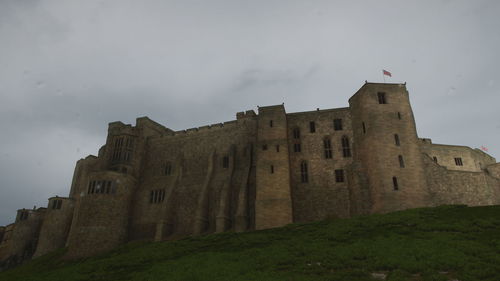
296, 147
270, 123
337, 124
272, 169
101, 187
364, 128
156, 196
395, 183
296, 133
168, 169
381, 98
435, 159
339, 175
277, 148
399, 115
346, 149
396, 139
458, 161
122, 149
264, 147
225, 162
56, 204
327, 144
303, 172
312, 127
401, 161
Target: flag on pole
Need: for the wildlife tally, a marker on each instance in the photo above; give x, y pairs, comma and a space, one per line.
483, 148
387, 73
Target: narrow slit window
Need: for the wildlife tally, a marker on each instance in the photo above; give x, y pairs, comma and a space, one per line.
225, 162
339, 175
381, 98
304, 177
458, 161
396, 140
312, 127
272, 169
395, 183
271, 123
327, 145
296, 147
401, 161
277, 148
346, 149
168, 169
399, 115
337, 124
364, 127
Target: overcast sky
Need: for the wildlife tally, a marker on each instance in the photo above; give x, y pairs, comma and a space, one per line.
68, 68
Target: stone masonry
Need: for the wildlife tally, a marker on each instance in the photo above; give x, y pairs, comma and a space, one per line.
259, 171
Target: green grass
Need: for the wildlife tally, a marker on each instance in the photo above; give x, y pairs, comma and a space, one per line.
443, 243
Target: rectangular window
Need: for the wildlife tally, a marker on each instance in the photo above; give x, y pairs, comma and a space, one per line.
346, 149
339, 175
337, 124
272, 169
395, 183
381, 98
296, 147
396, 140
458, 161
264, 147
296, 133
270, 123
435, 159
327, 145
156, 196
401, 161
399, 115
304, 177
312, 127
225, 162
277, 148
168, 169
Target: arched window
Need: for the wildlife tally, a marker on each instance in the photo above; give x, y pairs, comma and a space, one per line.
396, 139
327, 145
401, 161
346, 149
395, 183
303, 172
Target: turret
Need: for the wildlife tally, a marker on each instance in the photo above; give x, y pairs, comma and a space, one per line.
273, 203
386, 149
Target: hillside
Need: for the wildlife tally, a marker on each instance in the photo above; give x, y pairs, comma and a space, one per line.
444, 243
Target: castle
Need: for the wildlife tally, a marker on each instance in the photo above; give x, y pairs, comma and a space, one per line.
259, 171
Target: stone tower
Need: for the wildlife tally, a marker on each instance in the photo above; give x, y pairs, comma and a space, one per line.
273, 202
386, 149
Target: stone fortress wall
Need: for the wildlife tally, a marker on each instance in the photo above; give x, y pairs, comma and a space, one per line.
259, 171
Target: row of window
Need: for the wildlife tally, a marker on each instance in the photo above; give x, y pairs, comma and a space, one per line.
458, 161
101, 187
122, 149
327, 146
157, 196
304, 175
56, 204
337, 126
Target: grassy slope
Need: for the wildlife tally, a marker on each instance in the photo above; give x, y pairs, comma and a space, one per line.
417, 244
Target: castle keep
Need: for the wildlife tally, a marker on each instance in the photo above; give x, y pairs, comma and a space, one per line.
259, 171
